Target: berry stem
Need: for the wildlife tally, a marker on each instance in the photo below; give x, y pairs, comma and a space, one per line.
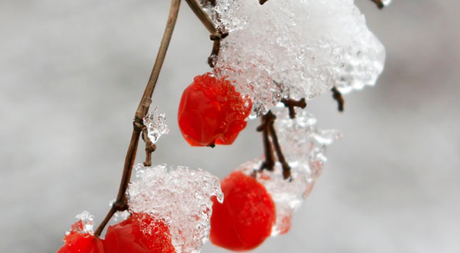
269, 162
217, 33
262, 1
339, 98
121, 202
291, 104
379, 3
277, 147
269, 133
150, 147
202, 16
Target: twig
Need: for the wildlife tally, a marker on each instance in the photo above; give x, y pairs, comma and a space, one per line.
202, 16
269, 162
121, 203
291, 104
339, 98
217, 33
379, 3
279, 152
150, 147
261, 2
269, 133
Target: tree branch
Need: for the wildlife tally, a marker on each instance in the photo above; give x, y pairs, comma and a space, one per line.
121, 203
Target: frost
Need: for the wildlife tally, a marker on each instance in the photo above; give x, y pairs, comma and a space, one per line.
181, 198
295, 48
304, 146
156, 125
84, 225
302, 141
121, 215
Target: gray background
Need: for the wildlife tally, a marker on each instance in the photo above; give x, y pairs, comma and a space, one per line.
71, 75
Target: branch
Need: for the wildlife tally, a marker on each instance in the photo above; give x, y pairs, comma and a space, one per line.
121, 203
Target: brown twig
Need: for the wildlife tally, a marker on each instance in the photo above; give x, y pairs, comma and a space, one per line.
339, 98
269, 133
291, 104
202, 16
379, 3
279, 152
262, 1
121, 202
269, 162
150, 147
217, 33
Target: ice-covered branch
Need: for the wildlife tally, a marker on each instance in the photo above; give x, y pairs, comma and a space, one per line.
120, 203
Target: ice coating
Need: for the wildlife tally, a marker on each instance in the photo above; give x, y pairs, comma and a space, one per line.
295, 48
302, 141
156, 125
84, 224
180, 197
304, 146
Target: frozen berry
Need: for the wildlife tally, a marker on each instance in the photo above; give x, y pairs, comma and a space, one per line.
77, 241
212, 112
246, 217
140, 233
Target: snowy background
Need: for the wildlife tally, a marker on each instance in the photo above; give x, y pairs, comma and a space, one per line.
71, 75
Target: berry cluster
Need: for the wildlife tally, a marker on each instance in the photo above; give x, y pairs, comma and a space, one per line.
271, 58
140, 233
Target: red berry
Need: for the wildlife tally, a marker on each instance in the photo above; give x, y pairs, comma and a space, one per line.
81, 242
212, 112
246, 217
140, 233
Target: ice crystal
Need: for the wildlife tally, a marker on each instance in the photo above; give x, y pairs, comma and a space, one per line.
301, 140
84, 224
295, 48
181, 198
121, 215
156, 125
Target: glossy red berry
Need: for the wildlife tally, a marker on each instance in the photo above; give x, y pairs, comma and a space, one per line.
79, 242
211, 111
140, 233
246, 217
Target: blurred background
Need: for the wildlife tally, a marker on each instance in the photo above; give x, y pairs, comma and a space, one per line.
72, 73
